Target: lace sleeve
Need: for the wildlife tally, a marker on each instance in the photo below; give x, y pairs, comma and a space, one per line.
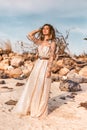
52, 56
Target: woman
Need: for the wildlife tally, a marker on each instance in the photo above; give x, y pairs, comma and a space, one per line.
34, 99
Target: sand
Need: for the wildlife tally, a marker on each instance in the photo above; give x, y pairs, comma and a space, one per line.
65, 111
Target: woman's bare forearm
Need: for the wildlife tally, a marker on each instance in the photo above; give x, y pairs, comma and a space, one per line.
31, 34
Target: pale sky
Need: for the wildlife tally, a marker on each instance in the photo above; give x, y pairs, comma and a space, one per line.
19, 17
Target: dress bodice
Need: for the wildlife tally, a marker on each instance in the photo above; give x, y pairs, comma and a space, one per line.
44, 51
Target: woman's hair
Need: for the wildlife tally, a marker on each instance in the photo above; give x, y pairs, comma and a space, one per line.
52, 32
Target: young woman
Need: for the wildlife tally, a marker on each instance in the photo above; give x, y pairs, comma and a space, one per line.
34, 99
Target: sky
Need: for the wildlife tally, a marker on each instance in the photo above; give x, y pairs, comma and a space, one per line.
19, 17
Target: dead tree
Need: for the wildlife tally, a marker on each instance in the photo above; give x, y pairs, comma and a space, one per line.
62, 45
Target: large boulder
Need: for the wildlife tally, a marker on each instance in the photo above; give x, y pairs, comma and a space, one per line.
60, 63
63, 71
83, 71
14, 72
70, 86
76, 77
16, 61
4, 64
57, 65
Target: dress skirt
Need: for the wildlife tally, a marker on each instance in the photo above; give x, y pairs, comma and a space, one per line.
34, 99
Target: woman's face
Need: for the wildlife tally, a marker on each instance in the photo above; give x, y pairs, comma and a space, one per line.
46, 30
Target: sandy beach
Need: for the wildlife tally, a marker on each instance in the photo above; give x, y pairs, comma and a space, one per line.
65, 110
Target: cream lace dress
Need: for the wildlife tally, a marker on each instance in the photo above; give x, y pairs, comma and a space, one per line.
34, 99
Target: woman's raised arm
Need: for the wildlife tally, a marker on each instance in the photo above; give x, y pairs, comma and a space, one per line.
31, 36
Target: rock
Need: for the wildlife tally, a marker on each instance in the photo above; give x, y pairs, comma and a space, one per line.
28, 65
4, 64
55, 68
19, 84
57, 65
70, 86
5, 87
3, 75
76, 78
17, 61
11, 54
26, 70
63, 97
14, 73
83, 71
83, 104
60, 63
55, 77
70, 96
2, 82
63, 71
5, 56
11, 102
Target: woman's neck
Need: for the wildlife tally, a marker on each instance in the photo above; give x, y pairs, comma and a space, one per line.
46, 38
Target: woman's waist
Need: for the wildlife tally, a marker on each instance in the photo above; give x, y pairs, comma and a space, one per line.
43, 58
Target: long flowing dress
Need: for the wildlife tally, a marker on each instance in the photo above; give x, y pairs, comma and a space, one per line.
34, 99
